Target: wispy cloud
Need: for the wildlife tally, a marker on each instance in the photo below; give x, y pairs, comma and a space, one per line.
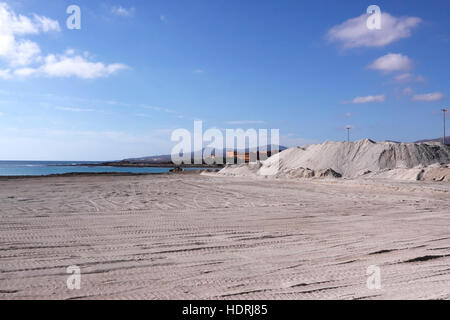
428, 97
142, 115
5, 74
408, 91
74, 109
444, 38
367, 99
122, 12
160, 109
354, 33
392, 62
408, 77
109, 134
245, 122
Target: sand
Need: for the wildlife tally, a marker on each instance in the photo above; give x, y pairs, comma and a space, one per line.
213, 237
408, 161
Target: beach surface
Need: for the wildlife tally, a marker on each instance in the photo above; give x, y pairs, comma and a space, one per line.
194, 236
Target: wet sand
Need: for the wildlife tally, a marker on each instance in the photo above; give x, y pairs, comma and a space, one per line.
209, 237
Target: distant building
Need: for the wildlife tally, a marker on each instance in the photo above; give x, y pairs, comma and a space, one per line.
234, 156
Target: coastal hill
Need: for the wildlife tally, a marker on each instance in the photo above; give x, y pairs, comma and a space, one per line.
166, 160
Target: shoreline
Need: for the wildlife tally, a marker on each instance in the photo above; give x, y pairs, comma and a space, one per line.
112, 174
141, 165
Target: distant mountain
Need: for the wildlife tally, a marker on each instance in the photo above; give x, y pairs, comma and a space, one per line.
167, 158
447, 140
153, 159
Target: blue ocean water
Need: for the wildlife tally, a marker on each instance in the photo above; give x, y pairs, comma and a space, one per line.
44, 168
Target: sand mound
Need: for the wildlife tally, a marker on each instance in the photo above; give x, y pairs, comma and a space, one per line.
431, 173
410, 161
241, 170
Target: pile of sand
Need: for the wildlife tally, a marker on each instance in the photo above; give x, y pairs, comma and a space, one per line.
434, 172
364, 158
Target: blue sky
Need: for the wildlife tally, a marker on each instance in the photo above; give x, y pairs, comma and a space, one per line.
137, 70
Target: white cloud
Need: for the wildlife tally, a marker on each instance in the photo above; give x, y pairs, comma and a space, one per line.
123, 12
14, 50
354, 33
24, 72
46, 24
392, 62
24, 58
15, 24
367, 99
64, 66
199, 71
25, 53
434, 96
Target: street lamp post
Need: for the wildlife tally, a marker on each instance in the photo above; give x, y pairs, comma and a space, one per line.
348, 132
444, 111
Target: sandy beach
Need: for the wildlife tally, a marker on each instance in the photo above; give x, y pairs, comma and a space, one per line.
208, 237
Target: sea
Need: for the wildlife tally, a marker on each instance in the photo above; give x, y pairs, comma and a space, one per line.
45, 168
